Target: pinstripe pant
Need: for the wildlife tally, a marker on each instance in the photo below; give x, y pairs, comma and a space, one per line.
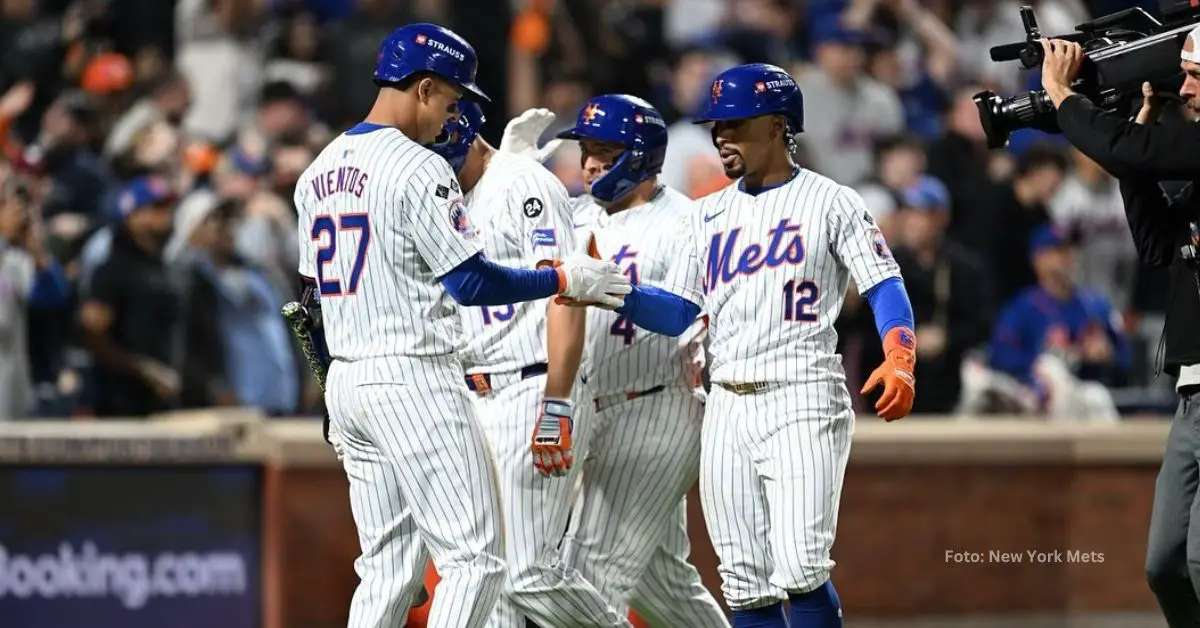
540, 586
770, 482
421, 484
629, 532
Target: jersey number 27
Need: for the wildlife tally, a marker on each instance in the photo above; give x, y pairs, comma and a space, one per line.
331, 286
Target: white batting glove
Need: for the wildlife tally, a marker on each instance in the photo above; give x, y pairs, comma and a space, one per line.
588, 280
521, 135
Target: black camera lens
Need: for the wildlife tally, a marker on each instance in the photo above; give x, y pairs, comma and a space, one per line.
1001, 116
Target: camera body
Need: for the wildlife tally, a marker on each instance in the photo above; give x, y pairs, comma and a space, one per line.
1123, 50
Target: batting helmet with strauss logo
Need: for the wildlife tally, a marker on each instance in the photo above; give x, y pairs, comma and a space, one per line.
427, 47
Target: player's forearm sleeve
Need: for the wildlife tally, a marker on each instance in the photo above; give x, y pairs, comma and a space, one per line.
478, 281
659, 311
890, 304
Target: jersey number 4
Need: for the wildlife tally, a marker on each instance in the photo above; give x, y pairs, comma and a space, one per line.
623, 326
331, 286
798, 298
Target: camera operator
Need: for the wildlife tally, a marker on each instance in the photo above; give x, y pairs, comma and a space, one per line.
1141, 153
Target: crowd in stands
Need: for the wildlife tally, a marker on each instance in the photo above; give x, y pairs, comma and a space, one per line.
150, 149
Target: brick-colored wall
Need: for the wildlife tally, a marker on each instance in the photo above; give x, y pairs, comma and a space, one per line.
897, 521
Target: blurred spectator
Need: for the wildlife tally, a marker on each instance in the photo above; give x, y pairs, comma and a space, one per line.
949, 290
167, 101
1089, 206
30, 282
982, 25
899, 164
691, 157
960, 158
220, 55
131, 317
282, 113
299, 57
915, 55
845, 110
81, 180
1010, 214
1074, 324
687, 21
354, 49
239, 351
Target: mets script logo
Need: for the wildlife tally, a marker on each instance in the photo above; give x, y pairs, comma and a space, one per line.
727, 258
458, 218
716, 89
591, 112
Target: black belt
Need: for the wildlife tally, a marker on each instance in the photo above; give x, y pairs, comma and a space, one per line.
481, 383
1188, 390
607, 401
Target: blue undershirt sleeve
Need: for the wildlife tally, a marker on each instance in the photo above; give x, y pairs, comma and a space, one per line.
890, 304
478, 281
659, 311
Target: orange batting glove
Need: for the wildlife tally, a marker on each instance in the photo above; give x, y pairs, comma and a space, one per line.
552, 446
896, 375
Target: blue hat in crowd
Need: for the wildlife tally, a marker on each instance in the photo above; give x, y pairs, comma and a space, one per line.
144, 192
829, 29
928, 193
1047, 237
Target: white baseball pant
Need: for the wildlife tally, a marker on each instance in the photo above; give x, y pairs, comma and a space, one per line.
421, 484
771, 476
540, 586
629, 531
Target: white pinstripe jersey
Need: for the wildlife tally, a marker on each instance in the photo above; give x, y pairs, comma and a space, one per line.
620, 357
771, 270
523, 213
381, 219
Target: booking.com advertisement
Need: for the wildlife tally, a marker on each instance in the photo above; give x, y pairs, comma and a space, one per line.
144, 547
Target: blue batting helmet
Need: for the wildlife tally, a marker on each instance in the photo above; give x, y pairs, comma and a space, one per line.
428, 48
632, 123
752, 90
459, 133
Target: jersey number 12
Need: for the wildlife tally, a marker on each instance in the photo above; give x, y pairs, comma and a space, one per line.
330, 286
798, 298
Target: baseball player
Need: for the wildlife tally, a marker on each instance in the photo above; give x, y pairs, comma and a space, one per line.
523, 214
769, 260
629, 531
385, 238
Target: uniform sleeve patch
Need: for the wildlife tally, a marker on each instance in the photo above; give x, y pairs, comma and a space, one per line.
533, 207
544, 237
442, 191
458, 218
880, 245
867, 218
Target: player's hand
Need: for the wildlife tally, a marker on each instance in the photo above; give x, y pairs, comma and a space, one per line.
896, 375
521, 135
552, 446
586, 280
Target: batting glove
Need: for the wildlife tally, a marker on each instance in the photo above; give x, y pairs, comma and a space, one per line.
896, 375
552, 447
585, 280
521, 135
